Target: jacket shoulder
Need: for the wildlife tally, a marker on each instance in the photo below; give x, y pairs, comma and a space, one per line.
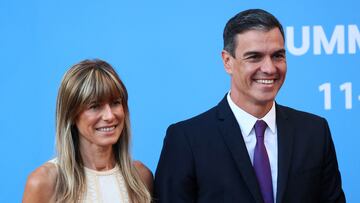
200, 120
298, 114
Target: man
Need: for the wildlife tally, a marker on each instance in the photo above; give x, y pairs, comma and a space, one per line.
249, 148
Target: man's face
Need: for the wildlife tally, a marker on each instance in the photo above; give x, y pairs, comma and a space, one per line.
258, 69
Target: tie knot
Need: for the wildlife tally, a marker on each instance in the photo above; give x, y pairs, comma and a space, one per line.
260, 127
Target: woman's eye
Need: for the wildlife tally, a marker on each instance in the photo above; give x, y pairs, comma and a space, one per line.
94, 106
117, 102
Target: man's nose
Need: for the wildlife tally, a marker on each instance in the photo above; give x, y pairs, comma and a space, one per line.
268, 66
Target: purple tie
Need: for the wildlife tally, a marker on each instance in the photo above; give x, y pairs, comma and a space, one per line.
262, 164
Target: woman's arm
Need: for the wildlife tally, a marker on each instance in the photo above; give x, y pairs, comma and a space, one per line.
40, 185
146, 175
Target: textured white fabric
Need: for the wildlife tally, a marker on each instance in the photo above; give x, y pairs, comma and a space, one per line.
104, 186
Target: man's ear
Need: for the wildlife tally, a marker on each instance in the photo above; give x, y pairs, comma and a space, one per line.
227, 61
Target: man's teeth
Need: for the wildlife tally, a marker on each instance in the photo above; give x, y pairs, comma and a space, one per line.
265, 81
106, 129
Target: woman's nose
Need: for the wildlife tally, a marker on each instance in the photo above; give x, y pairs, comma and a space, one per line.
107, 113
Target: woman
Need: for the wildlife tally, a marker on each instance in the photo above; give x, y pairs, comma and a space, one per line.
93, 163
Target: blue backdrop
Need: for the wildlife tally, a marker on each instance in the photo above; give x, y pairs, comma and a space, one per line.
168, 55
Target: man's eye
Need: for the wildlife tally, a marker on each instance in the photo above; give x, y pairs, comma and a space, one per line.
255, 57
279, 56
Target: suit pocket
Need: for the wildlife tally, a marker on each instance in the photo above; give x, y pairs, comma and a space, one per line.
212, 197
312, 174
309, 170
304, 185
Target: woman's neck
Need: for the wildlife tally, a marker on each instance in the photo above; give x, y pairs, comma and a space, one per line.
98, 158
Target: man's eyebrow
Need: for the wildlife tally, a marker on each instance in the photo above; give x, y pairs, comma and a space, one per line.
250, 53
280, 51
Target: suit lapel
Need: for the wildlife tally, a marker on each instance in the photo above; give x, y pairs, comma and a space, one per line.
231, 133
286, 130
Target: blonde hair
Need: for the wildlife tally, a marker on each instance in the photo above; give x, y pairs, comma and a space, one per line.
87, 81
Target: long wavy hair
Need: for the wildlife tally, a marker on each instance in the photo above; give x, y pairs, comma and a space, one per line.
87, 81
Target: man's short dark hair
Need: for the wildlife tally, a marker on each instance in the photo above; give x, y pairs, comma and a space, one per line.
252, 19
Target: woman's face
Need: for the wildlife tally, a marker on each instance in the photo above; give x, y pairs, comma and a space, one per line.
100, 124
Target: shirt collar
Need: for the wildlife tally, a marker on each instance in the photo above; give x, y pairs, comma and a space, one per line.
247, 121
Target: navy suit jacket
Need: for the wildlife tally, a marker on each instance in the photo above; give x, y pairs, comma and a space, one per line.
204, 159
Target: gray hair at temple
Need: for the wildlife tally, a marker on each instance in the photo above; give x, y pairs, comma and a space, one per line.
252, 19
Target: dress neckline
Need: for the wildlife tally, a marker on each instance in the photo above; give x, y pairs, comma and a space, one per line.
103, 173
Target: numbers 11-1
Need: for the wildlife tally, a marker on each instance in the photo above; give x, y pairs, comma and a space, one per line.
345, 87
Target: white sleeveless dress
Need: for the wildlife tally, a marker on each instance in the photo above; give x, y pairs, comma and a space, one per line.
104, 186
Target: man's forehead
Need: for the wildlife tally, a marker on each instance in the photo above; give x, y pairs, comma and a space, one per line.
259, 40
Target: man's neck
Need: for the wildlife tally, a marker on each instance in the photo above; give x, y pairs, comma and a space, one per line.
258, 110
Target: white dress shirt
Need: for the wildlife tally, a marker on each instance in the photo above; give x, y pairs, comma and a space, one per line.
246, 122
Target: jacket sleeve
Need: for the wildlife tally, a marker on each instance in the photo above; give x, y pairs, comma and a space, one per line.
175, 179
331, 180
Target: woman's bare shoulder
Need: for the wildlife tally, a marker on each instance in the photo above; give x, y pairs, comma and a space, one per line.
145, 174
40, 185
